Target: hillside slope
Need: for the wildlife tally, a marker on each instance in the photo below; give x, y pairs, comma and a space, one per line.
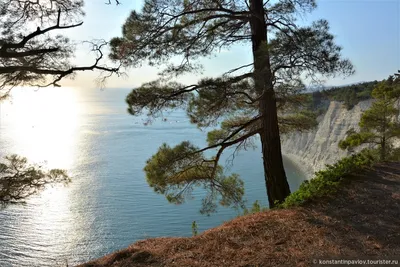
363, 219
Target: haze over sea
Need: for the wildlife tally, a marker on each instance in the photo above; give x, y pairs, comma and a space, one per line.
108, 205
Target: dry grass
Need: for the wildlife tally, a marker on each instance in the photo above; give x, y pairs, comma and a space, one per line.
362, 219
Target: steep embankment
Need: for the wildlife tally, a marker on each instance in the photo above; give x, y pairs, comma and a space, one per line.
361, 221
314, 149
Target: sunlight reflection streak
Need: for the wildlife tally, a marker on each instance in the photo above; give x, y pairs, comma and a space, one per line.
43, 124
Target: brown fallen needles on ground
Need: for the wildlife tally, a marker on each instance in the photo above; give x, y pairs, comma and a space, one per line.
362, 220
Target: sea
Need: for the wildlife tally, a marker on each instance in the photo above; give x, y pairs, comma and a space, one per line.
108, 205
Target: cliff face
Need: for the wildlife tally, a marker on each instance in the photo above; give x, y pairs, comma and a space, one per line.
314, 149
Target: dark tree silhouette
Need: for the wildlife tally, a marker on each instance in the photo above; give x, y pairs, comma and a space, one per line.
32, 54
32, 50
18, 179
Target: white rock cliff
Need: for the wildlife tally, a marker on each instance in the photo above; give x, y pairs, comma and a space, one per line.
312, 150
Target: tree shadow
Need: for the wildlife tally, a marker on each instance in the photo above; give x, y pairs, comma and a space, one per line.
364, 216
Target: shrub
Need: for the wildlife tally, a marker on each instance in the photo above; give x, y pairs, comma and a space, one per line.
394, 154
256, 207
326, 181
194, 228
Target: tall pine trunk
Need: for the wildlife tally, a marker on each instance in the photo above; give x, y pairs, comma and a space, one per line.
274, 172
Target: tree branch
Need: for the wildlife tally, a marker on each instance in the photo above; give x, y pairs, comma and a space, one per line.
225, 142
38, 32
35, 52
238, 68
116, 1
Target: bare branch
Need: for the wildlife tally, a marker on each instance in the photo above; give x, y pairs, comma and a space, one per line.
225, 142
30, 59
116, 1
38, 32
238, 68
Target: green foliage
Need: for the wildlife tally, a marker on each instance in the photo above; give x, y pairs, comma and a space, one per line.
313, 40
379, 124
176, 171
19, 180
352, 94
165, 31
256, 207
155, 98
233, 128
355, 139
326, 181
221, 97
194, 228
394, 154
302, 121
318, 101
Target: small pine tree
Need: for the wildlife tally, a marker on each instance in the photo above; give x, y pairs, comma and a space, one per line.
194, 228
379, 124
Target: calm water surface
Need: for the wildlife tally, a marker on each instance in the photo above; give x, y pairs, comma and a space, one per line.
109, 204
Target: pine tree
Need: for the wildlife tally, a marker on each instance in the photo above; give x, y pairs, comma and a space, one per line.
32, 54
258, 99
379, 124
19, 180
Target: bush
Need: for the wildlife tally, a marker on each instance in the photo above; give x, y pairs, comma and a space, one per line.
394, 154
326, 181
350, 95
194, 228
256, 207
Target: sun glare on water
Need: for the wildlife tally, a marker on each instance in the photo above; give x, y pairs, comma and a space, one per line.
42, 125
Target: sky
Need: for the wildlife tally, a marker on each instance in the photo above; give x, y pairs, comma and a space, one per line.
368, 31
